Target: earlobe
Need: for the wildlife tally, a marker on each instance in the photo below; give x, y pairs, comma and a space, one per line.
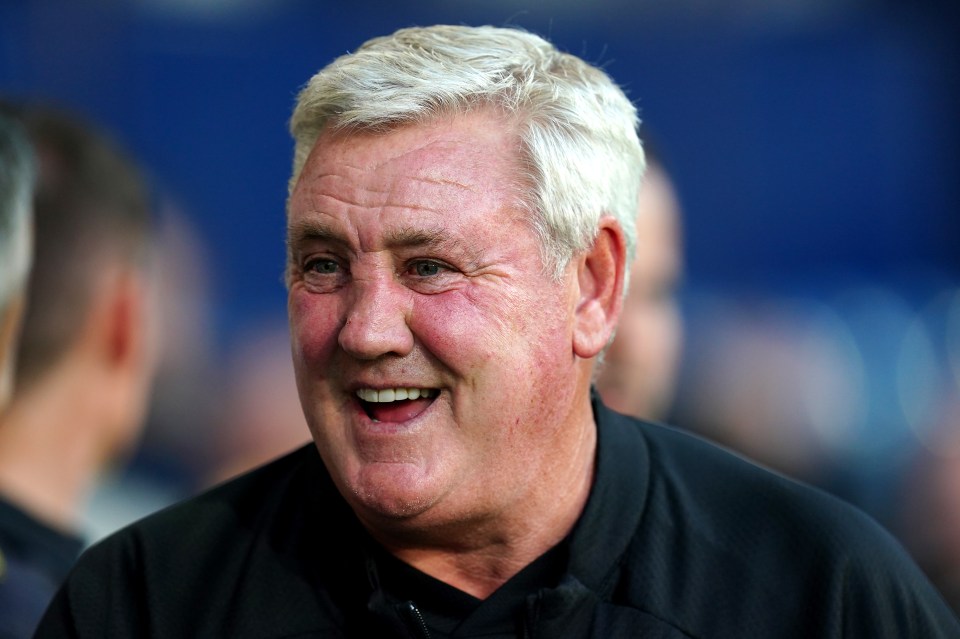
600, 273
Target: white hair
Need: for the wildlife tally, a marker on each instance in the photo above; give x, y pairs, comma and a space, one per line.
17, 177
577, 130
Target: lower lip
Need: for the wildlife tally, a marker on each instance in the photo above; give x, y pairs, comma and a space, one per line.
395, 415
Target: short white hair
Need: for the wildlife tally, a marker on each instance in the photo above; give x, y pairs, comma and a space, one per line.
577, 129
17, 178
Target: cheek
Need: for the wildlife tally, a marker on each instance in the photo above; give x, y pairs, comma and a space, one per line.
463, 328
315, 321
483, 325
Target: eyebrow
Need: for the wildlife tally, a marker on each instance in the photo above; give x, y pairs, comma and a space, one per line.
307, 230
432, 238
405, 237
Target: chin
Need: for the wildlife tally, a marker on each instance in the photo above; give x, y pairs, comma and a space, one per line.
393, 490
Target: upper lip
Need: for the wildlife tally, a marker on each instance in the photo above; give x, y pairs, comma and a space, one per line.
354, 387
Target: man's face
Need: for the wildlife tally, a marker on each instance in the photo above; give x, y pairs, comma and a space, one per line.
640, 366
414, 274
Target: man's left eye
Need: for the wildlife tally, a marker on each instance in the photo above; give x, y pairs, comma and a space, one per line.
426, 269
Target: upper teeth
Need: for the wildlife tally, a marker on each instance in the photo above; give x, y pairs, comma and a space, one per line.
393, 394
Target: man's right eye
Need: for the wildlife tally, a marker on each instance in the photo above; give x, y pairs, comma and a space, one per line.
323, 266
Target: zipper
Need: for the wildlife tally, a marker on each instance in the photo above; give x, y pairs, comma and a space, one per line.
415, 619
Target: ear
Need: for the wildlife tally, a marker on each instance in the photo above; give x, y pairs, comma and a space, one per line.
122, 316
122, 343
600, 273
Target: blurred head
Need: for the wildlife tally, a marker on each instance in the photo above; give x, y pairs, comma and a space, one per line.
461, 204
640, 367
17, 173
88, 291
262, 415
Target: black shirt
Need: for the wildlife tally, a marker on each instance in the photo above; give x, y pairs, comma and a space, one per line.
679, 539
449, 612
34, 560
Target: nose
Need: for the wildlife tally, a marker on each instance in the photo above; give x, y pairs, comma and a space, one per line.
376, 322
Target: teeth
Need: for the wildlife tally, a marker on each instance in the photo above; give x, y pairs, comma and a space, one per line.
394, 394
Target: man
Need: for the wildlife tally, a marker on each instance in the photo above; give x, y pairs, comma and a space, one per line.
459, 224
84, 362
639, 370
16, 191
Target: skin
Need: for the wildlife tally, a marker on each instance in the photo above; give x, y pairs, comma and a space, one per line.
640, 367
410, 265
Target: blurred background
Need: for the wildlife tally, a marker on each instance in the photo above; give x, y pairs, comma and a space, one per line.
814, 145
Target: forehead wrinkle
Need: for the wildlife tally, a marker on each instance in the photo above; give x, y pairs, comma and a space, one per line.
385, 196
444, 148
439, 181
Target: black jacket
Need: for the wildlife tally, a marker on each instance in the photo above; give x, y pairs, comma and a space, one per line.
34, 559
678, 539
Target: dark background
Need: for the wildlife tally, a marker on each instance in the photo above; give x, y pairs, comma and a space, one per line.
809, 139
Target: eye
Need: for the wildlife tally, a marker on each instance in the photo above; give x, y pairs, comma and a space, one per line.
426, 269
431, 276
323, 266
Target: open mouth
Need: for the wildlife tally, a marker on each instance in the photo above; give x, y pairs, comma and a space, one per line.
395, 404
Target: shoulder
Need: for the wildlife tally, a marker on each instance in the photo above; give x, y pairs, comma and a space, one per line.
245, 502
725, 497
724, 541
205, 563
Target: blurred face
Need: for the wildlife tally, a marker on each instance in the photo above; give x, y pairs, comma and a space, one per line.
433, 357
640, 366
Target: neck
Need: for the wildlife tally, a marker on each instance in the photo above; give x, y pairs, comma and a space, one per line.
48, 460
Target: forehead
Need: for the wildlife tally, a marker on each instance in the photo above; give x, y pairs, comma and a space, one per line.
467, 162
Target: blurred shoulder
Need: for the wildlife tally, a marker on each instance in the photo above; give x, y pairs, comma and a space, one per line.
229, 511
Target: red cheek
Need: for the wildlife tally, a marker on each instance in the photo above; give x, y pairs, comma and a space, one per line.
315, 322
447, 323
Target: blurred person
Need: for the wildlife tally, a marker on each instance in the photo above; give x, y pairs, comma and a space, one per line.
928, 507
262, 417
459, 225
639, 370
186, 396
84, 359
776, 380
17, 176
930, 504
17, 172
176, 451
